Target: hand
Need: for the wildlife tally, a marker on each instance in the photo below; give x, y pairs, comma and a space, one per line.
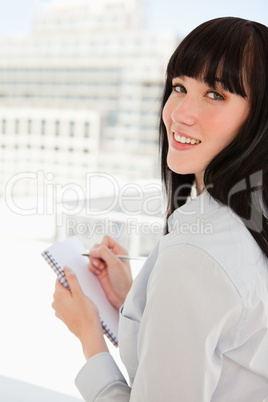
113, 273
79, 314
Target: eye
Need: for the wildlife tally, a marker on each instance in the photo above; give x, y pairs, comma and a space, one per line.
179, 88
215, 95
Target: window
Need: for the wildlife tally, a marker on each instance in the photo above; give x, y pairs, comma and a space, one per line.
43, 127
71, 132
17, 126
86, 129
4, 126
29, 126
57, 128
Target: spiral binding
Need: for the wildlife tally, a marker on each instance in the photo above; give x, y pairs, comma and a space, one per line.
110, 335
62, 278
56, 268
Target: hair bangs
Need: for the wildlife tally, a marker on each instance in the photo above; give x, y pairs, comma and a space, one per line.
210, 54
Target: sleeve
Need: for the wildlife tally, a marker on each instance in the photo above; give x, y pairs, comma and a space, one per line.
189, 320
101, 380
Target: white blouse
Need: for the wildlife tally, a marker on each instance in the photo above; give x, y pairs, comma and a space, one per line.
194, 326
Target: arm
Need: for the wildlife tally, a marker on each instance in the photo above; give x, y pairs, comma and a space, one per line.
190, 316
81, 317
189, 320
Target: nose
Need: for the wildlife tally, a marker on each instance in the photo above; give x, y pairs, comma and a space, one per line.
185, 111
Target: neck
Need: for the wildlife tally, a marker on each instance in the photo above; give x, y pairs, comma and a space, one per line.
199, 182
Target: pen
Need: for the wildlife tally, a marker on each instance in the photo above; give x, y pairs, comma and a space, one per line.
122, 257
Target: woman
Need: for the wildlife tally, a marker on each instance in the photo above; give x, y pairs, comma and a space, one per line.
194, 325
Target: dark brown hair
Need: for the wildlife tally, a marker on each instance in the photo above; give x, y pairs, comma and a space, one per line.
233, 51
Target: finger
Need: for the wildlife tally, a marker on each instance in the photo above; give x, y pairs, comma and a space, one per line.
96, 261
105, 254
94, 270
112, 244
59, 287
60, 293
57, 313
54, 305
109, 242
72, 281
95, 264
96, 245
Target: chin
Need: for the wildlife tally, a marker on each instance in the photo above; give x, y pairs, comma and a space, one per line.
177, 167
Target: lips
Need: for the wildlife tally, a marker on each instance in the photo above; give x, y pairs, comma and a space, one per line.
181, 142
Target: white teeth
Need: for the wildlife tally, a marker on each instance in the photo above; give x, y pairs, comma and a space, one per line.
184, 140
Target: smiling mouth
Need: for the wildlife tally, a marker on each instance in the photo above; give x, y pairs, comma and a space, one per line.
185, 140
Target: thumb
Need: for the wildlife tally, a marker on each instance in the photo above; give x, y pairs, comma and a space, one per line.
72, 280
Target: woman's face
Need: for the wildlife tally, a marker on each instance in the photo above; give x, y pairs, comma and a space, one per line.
200, 122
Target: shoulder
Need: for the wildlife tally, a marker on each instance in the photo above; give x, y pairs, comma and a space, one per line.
217, 231
186, 277
184, 260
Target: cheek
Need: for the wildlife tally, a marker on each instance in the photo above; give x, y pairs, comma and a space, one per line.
221, 140
235, 120
225, 129
166, 113
231, 130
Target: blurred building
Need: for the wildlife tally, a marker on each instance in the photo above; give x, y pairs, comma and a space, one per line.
91, 56
80, 95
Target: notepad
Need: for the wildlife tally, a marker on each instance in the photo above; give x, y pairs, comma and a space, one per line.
68, 253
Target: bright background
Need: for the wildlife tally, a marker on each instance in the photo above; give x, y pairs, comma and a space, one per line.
35, 347
175, 15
